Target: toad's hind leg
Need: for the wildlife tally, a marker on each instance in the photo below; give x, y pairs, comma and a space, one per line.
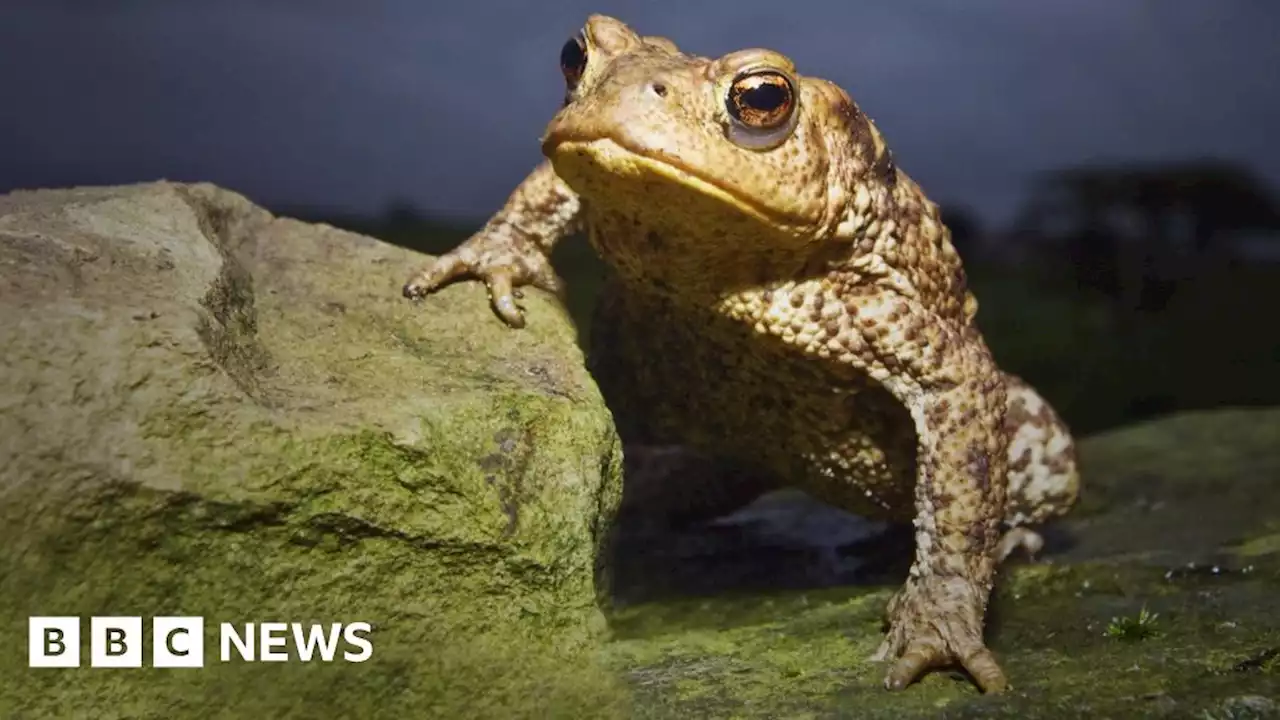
1044, 481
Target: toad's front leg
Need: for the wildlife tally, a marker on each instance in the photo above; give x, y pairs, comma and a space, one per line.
958, 408
941, 370
513, 248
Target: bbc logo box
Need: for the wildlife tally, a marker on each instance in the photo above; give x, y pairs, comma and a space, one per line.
115, 642
178, 642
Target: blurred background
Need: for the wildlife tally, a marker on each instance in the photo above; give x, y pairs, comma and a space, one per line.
1108, 168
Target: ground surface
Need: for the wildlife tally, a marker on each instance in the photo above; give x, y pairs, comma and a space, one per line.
1181, 517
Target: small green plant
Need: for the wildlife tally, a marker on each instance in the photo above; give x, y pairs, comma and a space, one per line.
1133, 629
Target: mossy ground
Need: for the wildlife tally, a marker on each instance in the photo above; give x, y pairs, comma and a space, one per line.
805, 655
1211, 652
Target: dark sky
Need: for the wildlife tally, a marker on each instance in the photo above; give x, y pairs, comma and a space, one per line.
354, 103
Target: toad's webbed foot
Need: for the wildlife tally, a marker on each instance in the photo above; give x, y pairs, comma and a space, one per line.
513, 249
503, 262
936, 623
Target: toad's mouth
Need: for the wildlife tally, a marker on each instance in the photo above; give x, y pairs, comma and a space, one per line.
617, 157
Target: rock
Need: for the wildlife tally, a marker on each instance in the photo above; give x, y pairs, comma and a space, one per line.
1180, 518
1246, 707
206, 410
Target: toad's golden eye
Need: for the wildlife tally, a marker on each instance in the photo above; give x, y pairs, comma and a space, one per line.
762, 99
573, 59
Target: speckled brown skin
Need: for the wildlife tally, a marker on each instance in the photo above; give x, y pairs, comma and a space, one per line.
786, 298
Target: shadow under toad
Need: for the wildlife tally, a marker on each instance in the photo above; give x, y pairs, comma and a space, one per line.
782, 540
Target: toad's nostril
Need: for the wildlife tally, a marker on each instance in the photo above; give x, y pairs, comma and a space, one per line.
659, 89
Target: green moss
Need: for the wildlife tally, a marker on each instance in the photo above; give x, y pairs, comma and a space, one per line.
1142, 626
805, 654
462, 627
1260, 546
735, 654
478, 584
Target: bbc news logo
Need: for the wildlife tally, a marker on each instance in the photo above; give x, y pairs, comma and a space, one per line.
178, 642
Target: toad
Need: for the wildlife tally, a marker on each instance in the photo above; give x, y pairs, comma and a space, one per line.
785, 297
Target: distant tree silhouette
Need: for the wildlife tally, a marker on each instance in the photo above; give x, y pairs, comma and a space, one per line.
401, 213
1134, 231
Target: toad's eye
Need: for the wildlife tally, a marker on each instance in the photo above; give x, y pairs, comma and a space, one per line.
763, 99
573, 60
762, 108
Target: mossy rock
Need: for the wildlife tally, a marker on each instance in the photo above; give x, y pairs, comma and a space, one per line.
208, 410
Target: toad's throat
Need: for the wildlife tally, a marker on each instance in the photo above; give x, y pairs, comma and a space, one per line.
618, 157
